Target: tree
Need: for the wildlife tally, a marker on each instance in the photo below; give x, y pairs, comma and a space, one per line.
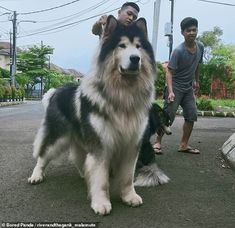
219, 61
32, 64
210, 40
55, 79
222, 65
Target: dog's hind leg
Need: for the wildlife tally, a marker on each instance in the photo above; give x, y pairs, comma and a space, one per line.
45, 151
97, 177
77, 156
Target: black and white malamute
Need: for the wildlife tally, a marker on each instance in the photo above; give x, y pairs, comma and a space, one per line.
102, 121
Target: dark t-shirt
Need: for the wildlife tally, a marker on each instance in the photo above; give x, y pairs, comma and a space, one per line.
184, 65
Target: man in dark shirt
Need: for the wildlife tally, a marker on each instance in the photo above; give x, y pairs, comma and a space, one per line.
126, 15
182, 77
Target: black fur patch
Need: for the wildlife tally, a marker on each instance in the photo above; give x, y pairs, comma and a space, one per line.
130, 31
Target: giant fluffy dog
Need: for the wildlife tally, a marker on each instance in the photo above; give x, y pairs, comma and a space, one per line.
102, 121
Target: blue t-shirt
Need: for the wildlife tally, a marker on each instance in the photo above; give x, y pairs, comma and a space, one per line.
184, 65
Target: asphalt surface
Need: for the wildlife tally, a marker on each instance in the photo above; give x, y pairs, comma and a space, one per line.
201, 192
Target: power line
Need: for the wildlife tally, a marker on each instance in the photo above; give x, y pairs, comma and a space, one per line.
80, 13
56, 7
71, 17
220, 3
6, 9
70, 24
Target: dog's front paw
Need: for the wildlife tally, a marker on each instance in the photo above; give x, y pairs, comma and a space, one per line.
133, 200
103, 208
36, 178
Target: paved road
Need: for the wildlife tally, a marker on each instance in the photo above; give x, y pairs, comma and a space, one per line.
201, 192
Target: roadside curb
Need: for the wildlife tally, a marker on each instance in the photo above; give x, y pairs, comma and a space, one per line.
211, 113
179, 112
4, 104
228, 150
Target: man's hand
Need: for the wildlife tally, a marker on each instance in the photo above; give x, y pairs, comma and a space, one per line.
102, 20
196, 88
171, 97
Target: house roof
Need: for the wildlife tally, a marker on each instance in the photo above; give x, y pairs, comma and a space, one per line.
72, 72
5, 48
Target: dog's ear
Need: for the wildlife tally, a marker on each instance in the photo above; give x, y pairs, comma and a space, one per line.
142, 24
110, 26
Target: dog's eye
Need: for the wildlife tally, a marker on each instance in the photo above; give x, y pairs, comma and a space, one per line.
138, 46
122, 45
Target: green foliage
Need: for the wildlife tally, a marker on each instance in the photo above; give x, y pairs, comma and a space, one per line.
223, 102
160, 81
222, 65
219, 61
204, 104
55, 79
210, 40
34, 58
4, 73
1, 91
7, 90
13, 91
32, 65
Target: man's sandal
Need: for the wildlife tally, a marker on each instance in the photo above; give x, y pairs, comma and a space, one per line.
189, 150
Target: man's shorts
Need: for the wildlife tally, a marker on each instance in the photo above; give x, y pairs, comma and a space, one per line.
184, 99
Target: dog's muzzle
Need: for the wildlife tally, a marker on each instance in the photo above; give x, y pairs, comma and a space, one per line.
133, 68
167, 130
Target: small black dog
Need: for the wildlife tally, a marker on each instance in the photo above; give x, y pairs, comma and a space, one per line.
159, 122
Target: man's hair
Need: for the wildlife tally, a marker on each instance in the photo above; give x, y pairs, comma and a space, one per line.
188, 22
132, 4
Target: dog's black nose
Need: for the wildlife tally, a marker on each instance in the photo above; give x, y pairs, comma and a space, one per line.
134, 59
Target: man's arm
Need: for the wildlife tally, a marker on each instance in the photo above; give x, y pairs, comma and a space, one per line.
97, 28
196, 84
171, 95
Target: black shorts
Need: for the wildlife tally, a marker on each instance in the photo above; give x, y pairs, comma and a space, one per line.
184, 99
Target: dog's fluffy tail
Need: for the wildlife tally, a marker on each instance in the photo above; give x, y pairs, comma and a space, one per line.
46, 97
150, 175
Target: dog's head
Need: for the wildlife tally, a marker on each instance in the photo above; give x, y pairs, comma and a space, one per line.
160, 120
126, 49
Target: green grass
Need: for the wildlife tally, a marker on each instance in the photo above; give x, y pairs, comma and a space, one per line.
223, 102
217, 104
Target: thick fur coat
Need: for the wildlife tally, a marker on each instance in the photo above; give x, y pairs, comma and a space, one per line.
102, 121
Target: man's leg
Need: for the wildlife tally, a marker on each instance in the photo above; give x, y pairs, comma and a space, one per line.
171, 108
187, 130
157, 144
190, 116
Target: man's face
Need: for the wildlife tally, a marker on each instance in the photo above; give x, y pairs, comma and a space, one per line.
127, 15
190, 33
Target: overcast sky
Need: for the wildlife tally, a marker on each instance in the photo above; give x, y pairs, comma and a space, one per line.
74, 45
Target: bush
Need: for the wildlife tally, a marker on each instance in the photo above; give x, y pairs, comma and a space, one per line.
13, 91
2, 92
204, 104
21, 91
7, 91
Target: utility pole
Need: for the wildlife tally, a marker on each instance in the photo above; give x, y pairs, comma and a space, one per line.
171, 36
10, 53
156, 14
13, 66
41, 77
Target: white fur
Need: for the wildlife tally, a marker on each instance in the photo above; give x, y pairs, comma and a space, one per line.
47, 96
151, 175
119, 123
